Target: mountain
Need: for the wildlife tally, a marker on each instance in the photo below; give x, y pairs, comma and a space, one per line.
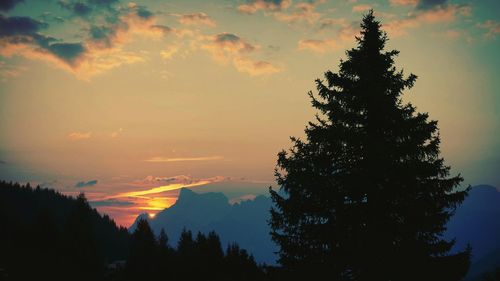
244, 222
477, 222
487, 264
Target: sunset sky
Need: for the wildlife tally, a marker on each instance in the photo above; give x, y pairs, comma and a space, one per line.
130, 101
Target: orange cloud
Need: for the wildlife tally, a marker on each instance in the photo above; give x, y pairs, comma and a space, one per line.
303, 11
412, 3
116, 134
197, 19
224, 45
492, 28
255, 68
361, 8
265, 5
169, 52
170, 187
439, 14
101, 52
183, 159
79, 135
9, 71
228, 47
319, 46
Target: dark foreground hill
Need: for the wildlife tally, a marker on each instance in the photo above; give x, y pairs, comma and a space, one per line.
43, 229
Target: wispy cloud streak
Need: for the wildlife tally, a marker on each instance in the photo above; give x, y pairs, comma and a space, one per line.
183, 159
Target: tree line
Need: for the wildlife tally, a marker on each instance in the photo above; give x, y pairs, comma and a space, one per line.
49, 236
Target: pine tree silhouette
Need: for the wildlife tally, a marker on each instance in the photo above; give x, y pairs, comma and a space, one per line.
367, 195
142, 261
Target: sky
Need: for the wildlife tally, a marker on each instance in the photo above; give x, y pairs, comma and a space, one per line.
130, 101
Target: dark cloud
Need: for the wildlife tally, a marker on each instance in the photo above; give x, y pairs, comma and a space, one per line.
2, 162
80, 9
25, 30
11, 26
83, 8
143, 12
429, 4
105, 3
6, 5
232, 42
68, 52
110, 202
225, 37
102, 35
84, 184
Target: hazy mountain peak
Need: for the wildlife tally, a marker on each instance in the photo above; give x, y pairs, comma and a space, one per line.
187, 195
244, 223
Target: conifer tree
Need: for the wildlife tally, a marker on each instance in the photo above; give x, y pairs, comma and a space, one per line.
143, 251
367, 195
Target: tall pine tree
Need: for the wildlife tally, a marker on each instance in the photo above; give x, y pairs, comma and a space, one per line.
367, 195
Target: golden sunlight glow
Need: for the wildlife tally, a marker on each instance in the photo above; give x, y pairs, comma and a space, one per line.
160, 189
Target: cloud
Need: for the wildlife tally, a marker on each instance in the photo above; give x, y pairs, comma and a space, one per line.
173, 179
255, 67
361, 8
412, 3
20, 36
253, 6
232, 43
197, 19
79, 135
169, 52
170, 187
223, 46
14, 26
6, 5
331, 22
36, 46
85, 8
68, 52
8, 71
319, 46
440, 14
430, 4
116, 134
80, 9
85, 184
228, 47
101, 51
183, 159
240, 199
492, 28
303, 11
111, 203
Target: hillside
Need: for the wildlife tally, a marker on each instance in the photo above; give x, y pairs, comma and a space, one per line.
42, 228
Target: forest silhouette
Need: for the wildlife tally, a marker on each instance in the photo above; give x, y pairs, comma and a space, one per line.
365, 197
